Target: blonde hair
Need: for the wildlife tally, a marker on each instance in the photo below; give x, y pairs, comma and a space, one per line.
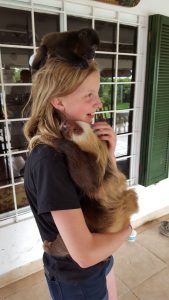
55, 79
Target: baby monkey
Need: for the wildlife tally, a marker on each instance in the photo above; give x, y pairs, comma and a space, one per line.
74, 47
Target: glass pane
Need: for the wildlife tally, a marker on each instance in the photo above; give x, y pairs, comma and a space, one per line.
106, 94
108, 117
15, 64
18, 165
15, 27
125, 96
6, 200
122, 146
5, 174
18, 141
107, 67
20, 196
126, 69
3, 139
16, 99
107, 34
45, 23
1, 105
75, 23
127, 39
124, 166
124, 122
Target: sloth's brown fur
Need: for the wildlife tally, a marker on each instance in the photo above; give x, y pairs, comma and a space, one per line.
110, 203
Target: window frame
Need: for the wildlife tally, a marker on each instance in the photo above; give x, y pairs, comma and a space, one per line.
96, 12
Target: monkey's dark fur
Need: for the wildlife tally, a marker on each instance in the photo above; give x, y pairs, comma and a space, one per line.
109, 204
74, 47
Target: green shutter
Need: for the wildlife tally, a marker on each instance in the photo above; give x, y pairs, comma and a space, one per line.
154, 156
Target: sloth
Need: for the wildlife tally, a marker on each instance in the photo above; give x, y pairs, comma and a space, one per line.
74, 47
109, 203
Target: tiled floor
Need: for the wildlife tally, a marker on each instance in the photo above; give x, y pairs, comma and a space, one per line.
142, 270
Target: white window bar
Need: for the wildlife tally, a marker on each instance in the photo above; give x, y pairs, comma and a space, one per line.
63, 10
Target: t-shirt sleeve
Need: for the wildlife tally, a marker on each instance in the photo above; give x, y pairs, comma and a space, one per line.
55, 188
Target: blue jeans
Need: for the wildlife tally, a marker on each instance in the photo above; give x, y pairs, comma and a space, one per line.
88, 289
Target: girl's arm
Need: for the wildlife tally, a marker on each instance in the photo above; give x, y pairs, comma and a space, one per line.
86, 248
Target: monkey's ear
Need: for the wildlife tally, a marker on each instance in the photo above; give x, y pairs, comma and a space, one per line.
58, 104
40, 58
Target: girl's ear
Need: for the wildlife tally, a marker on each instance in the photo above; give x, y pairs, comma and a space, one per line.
58, 104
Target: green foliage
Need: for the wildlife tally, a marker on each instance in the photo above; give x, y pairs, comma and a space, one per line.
107, 91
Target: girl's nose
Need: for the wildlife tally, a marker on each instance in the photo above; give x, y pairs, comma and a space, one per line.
98, 103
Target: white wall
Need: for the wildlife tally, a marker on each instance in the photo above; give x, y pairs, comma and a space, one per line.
20, 244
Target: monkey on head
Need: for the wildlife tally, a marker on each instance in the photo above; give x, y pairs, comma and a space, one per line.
109, 204
74, 47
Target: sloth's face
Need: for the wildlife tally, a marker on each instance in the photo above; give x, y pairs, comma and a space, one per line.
69, 128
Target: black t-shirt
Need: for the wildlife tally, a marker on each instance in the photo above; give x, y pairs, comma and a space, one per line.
49, 187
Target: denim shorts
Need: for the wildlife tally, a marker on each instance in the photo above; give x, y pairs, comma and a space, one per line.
93, 288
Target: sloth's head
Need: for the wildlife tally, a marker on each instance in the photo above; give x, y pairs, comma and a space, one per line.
70, 129
83, 135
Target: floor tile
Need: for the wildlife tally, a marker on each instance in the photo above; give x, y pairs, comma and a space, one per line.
122, 289
22, 287
129, 296
155, 288
155, 242
134, 264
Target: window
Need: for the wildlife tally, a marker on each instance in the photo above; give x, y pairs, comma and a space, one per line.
120, 56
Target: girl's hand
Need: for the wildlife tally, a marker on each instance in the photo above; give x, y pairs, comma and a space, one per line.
105, 132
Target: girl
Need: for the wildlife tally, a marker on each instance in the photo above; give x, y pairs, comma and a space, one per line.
60, 88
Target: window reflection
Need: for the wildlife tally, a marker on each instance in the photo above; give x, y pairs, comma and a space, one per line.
44, 24
127, 39
107, 67
125, 96
106, 94
1, 105
124, 166
126, 68
124, 122
13, 62
18, 165
106, 116
15, 27
17, 138
75, 23
107, 34
3, 138
5, 171
17, 98
6, 200
122, 145
21, 198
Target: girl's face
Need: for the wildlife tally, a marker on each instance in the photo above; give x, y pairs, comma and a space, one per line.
83, 102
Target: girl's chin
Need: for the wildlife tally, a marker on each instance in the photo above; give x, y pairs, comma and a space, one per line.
89, 119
